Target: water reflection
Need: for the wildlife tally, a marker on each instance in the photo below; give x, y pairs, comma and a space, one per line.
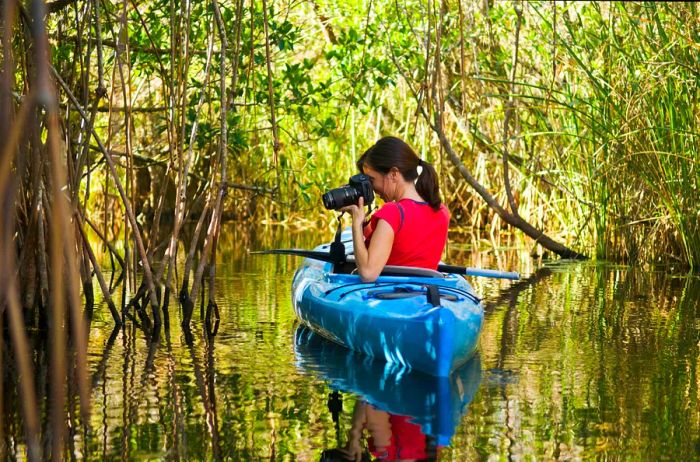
405, 412
580, 361
593, 360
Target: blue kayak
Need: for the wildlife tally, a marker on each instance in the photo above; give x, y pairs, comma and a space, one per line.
413, 317
437, 404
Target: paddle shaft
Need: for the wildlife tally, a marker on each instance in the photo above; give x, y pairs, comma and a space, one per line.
478, 272
325, 256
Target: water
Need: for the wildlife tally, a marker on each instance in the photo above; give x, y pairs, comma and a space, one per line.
577, 361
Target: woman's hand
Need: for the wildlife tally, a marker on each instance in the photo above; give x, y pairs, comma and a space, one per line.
352, 450
356, 211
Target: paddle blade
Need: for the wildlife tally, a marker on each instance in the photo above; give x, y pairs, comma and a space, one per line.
314, 254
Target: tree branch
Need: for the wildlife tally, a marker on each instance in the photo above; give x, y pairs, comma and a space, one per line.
510, 103
512, 219
58, 5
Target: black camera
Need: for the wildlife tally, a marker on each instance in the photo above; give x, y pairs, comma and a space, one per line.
359, 186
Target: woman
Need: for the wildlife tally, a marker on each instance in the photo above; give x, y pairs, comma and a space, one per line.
410, 229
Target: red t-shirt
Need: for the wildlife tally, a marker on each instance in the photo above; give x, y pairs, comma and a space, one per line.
407, 441
420, 233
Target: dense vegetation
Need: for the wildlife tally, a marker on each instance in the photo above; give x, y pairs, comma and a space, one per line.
123, 121
600, 100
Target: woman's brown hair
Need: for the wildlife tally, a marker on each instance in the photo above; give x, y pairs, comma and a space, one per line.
390, 152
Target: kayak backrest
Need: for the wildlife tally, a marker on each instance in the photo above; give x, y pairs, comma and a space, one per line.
391, 270
349, 267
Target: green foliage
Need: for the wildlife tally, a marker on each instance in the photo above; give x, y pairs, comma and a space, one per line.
604, 142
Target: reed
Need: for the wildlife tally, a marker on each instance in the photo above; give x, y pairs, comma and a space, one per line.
605, 106
641, 145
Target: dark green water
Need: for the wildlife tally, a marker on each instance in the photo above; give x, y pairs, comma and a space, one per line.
577, 361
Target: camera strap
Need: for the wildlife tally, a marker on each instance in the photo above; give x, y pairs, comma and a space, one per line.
402, 216
337, 246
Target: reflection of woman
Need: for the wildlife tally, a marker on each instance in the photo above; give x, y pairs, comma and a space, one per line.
410, 229
391, 437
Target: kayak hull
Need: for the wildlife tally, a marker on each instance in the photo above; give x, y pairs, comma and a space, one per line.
394, 318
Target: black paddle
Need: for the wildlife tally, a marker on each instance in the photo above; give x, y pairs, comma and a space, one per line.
327, 257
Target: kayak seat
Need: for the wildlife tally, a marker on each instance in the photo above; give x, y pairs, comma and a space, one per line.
390, 270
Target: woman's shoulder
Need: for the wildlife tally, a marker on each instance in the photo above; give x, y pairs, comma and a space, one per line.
410, 206
388, 208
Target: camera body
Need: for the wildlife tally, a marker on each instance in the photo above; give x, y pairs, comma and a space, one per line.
358, 186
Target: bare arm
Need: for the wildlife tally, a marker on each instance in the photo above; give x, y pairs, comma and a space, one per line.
353, 448
370, 262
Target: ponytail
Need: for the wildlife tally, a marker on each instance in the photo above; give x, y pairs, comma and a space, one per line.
427, 185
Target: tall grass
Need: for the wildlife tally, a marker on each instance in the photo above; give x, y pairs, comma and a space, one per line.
636, 81
605, 140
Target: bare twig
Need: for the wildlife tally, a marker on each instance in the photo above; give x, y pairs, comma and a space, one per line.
271, 93
510, 103
215, 219
183, 173
148, 276
98, 273
10, 128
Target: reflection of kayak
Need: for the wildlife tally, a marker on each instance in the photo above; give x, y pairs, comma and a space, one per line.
424, 320
435, 403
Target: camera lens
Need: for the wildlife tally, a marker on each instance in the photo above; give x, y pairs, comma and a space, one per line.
328, 201
340, 197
